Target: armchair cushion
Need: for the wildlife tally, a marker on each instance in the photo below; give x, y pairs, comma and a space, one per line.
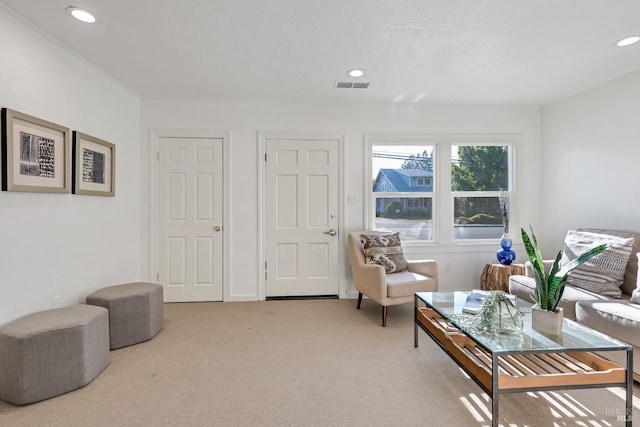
407, 283
604, 273
384, 250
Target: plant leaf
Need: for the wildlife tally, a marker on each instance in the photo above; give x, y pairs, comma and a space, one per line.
553, 297
542, 291
558, 283
558, 280
550, 287
573, 264
532, 252
536, 247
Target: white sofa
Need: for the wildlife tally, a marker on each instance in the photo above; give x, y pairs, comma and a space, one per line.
616, 317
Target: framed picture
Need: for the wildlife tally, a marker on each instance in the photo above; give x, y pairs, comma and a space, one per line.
35, 154
94, 166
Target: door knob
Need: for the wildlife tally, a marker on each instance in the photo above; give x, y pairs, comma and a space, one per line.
330, 232
216, 228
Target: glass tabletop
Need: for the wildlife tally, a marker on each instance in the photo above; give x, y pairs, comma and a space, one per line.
574, 336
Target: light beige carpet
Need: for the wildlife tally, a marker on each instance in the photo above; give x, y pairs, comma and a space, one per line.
298, 363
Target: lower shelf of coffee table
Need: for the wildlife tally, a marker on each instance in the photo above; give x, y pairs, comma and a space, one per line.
521, 371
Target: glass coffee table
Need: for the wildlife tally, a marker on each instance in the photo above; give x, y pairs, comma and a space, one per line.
525, 361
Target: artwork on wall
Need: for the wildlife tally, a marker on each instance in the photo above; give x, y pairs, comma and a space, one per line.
35, 154
93, 166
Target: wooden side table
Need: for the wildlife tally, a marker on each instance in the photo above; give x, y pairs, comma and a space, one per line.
496, 276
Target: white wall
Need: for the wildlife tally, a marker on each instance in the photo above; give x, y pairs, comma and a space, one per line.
245, 119
580, 171
591, 146
61, 244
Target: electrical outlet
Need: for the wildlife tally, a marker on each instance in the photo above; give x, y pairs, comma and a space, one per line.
447, 266
352, 199
55, 301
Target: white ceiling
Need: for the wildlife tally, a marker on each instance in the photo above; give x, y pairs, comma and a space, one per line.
414, 51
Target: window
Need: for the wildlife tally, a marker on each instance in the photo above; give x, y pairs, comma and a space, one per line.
422, 182
462, 176
403, 189
478, 173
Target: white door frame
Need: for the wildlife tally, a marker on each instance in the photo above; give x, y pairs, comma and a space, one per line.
263, 137
154, 136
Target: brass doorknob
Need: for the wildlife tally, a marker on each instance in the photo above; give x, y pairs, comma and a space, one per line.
216, 228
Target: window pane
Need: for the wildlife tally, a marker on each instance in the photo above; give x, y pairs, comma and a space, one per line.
477, 218
479, 168
402, 168
411, 216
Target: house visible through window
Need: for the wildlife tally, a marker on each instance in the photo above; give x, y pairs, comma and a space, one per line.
405, 191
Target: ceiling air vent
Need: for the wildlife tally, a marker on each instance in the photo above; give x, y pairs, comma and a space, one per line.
352, 85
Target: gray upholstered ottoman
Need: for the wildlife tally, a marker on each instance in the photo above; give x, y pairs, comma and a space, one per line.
135, 311
52, 352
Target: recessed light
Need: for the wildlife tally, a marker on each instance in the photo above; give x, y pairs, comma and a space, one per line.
81, 14
356, 72
628, 41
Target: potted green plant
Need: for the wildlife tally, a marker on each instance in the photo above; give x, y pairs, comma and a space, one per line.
546, 315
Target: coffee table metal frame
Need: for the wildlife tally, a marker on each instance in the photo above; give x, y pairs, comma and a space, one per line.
500, 367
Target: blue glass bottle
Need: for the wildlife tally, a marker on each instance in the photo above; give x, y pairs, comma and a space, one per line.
505, 255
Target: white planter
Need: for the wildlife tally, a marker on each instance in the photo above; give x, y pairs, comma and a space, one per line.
545, 321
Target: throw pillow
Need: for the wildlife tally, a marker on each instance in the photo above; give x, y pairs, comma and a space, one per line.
384, 250
603, 274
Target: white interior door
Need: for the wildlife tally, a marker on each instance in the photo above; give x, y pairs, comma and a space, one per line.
190, 199
301, 224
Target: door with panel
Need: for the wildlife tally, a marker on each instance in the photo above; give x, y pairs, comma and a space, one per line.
301, 223
190, 207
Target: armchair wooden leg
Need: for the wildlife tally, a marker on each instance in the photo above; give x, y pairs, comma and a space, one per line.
384, 316
359, 299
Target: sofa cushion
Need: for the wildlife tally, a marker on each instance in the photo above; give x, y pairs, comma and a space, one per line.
603, 274
384, 250
616, 318
524, 287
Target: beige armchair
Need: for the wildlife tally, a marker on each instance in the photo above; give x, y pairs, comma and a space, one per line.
389, 289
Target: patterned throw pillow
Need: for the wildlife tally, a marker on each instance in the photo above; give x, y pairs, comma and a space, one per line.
385, 250
603, 274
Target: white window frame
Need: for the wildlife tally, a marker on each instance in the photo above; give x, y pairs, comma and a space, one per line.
443, 197
470, 194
